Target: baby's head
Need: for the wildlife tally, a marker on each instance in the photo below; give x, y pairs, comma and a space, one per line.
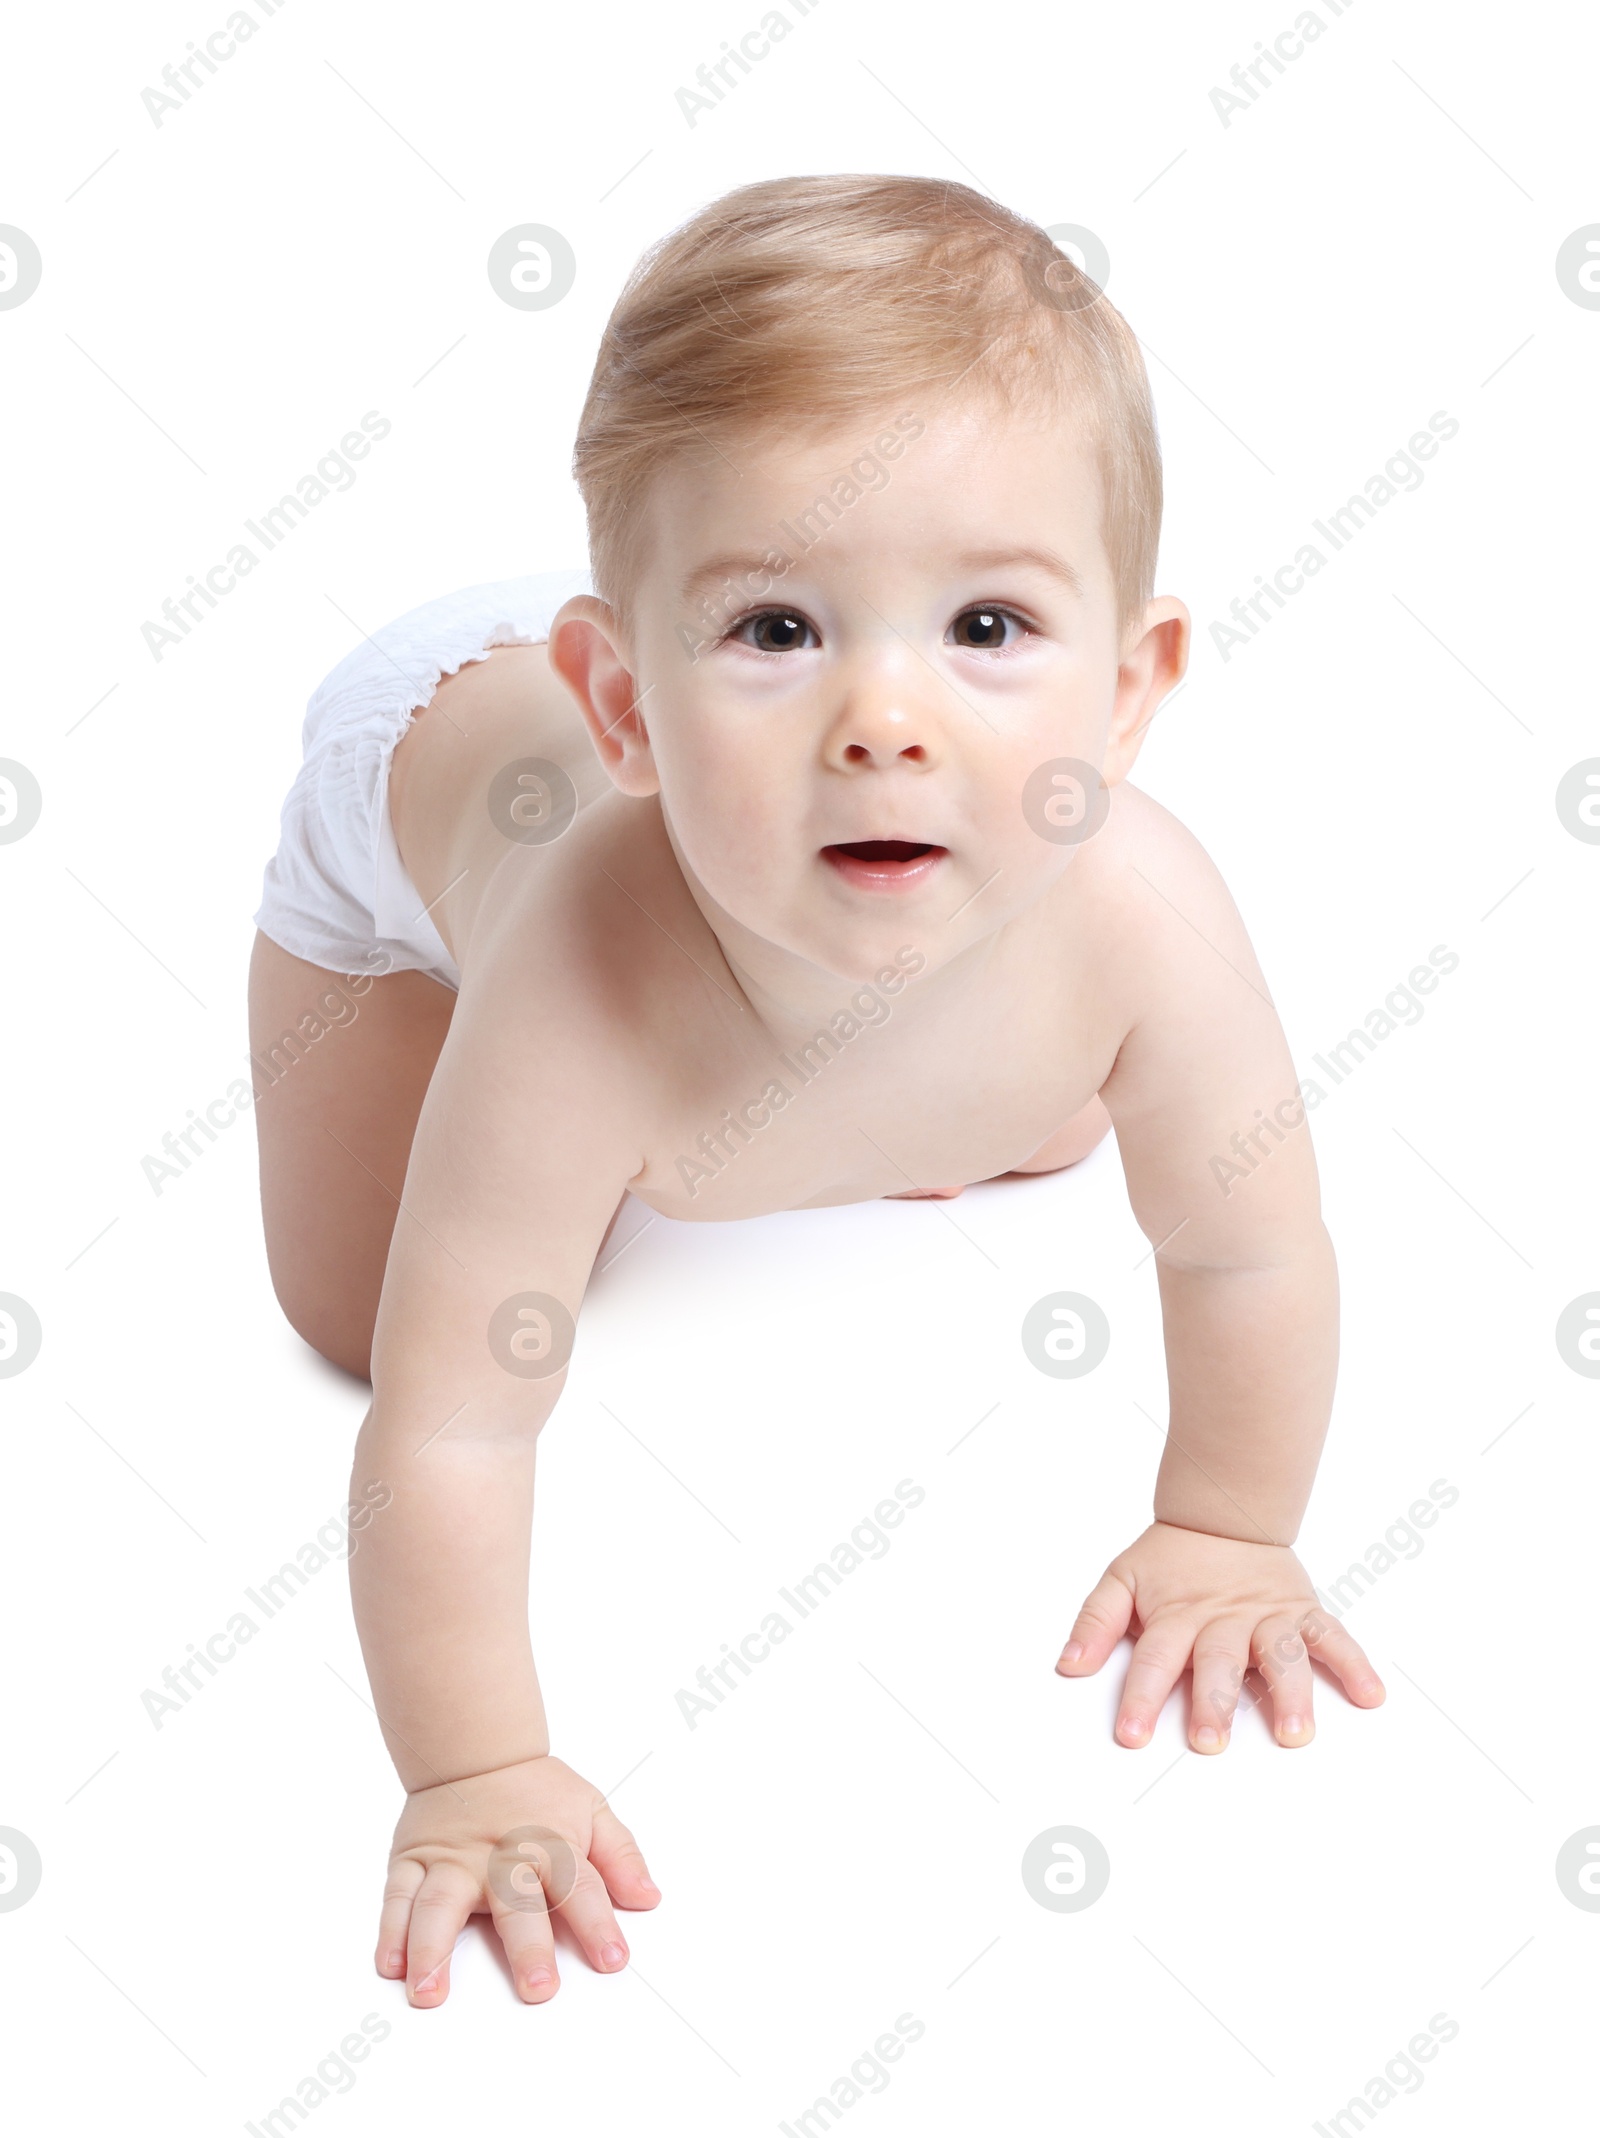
874, 495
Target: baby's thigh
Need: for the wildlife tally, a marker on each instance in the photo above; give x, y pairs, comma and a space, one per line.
334, 1123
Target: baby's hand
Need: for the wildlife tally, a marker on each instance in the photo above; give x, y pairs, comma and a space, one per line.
516, 1843
1225, 1604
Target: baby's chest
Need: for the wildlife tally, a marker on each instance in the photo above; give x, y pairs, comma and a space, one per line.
847, 1116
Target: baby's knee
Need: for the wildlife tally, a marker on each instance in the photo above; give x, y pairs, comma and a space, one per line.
337, 1332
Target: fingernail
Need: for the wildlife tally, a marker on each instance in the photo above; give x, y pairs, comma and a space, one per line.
612, 1955
1072, 1651
1292, 1726
427, 1985
539, 1979
649, 1885
1206, 1740
1134, 1726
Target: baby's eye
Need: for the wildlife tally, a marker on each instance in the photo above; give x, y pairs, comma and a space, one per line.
774, 631
984, 629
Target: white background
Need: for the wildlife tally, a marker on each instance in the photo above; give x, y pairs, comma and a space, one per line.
1373, 240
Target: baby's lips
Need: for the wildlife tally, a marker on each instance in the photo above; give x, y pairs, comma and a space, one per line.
884, 864
882, 848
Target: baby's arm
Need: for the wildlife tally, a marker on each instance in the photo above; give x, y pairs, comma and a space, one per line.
516, 1169
1249, 1298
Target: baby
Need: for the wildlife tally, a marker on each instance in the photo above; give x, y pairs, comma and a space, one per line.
845, 719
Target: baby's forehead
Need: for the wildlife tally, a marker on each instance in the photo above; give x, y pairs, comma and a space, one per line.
967, 474
943, 451
911, 424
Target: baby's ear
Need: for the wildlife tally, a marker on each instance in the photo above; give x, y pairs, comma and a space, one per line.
1154, 663
589, 652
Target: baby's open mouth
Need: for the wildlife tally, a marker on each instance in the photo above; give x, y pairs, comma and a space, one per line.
881, 864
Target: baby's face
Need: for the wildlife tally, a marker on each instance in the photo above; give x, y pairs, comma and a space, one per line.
844, 749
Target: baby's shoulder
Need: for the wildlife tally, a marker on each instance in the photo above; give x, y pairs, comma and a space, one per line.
1165, 930
1142, 844
592, 948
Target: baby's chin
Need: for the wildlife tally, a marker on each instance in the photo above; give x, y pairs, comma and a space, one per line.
853, 915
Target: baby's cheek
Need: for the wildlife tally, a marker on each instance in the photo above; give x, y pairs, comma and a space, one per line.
729, 789
739, 852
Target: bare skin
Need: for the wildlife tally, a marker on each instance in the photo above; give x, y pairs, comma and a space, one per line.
634, 989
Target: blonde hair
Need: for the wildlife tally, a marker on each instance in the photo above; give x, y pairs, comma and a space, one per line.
813, 302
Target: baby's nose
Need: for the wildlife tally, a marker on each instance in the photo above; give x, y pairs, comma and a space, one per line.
884, 724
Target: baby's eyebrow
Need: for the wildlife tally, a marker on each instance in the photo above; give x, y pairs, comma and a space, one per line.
738, 564
1044, 560
748, 564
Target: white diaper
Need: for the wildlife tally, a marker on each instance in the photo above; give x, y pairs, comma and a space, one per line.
336, 892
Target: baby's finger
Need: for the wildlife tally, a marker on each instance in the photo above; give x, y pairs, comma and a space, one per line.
588, 1915
1221, 1656
617, 1857
1281, 1657
1329, 1643
1155, 1668
1100, 1625
404, 1880
524, 1927
438, 1915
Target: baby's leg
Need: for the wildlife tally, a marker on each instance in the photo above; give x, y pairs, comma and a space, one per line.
334, 1132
